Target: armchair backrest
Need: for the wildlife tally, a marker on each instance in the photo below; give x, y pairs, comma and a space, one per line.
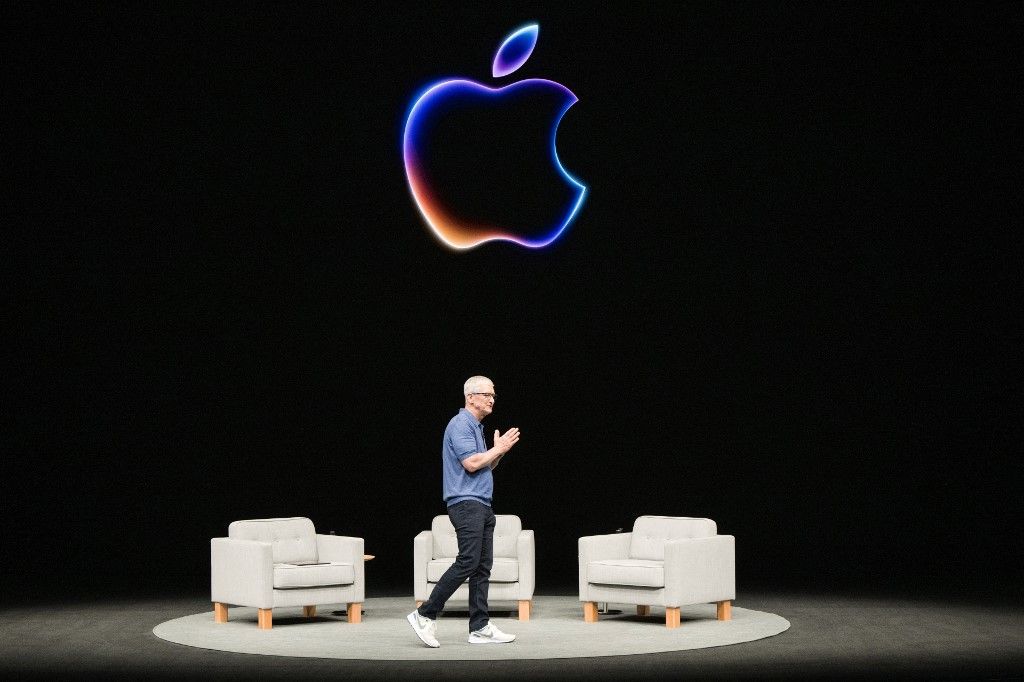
292, 539
651, 532
506, 534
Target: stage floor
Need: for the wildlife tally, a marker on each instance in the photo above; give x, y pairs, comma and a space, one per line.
556, 629
830, 637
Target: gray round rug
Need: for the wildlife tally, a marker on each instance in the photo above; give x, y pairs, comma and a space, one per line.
555, 630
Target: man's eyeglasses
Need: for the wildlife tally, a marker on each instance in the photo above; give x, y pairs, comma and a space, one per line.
486, 395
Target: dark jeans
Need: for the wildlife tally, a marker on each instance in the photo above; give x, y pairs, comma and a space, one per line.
474, 529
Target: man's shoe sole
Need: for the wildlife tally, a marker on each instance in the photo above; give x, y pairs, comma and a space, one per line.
411, 618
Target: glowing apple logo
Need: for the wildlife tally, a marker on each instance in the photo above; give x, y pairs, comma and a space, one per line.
459, 104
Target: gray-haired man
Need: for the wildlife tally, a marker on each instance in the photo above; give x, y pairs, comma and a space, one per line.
468, 488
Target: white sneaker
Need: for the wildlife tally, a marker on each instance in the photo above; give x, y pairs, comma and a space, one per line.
424, 628
490, 634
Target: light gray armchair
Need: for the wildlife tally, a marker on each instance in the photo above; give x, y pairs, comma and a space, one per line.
668, 561
512, 575
267, 563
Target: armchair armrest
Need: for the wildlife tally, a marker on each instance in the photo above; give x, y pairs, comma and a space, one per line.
422, 553
597, 547
345, 549
242, 572
700, 570
526, 553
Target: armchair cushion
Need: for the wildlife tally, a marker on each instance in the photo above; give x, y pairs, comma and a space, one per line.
291, 576
634, 572
291, 539
504, 570
651, 532
507, 528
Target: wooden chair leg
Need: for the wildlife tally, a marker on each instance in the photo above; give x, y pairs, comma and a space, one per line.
265, 619
643, 610
724, 610
524, 609
309, 611
590, 611
355, 612
220, 612
672, 616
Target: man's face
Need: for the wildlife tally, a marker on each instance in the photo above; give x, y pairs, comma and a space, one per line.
481, 401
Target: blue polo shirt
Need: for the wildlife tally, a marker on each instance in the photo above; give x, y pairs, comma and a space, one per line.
463, 437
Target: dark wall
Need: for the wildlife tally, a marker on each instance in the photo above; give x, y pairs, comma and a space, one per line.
790, 302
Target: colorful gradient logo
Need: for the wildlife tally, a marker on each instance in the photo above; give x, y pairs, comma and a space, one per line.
529, 218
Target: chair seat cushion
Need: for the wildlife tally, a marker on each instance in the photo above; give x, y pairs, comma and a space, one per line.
636, 572
504, 570
289, 576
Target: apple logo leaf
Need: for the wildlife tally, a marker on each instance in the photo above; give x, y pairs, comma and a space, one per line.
516, 49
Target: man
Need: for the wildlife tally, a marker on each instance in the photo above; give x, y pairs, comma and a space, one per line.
468, 487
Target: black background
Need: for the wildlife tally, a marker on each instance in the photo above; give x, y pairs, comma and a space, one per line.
790, 303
